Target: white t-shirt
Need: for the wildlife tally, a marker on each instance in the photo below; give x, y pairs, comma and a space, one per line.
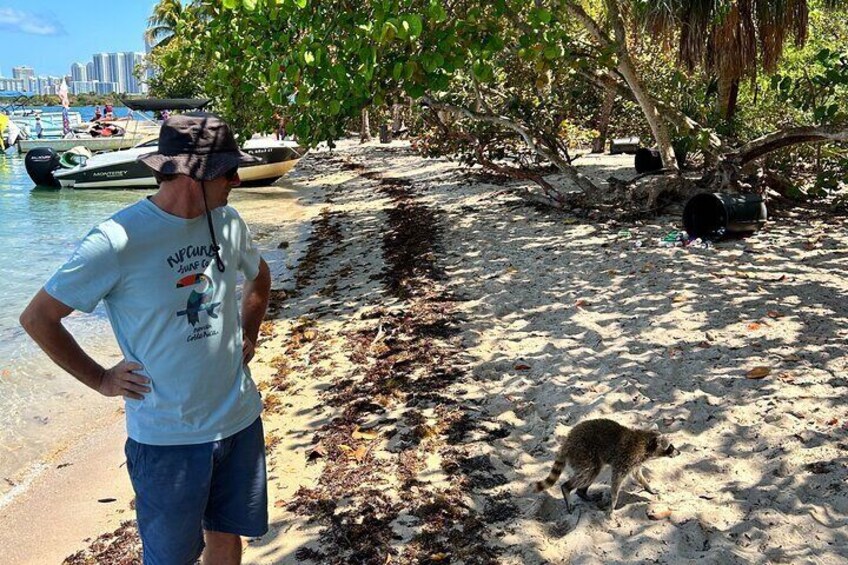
174, 313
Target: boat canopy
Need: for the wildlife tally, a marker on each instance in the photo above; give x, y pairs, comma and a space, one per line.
158, 104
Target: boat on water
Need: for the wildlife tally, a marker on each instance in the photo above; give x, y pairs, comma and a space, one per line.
51, 123
106, 136
111, 134
79, 168
121, 169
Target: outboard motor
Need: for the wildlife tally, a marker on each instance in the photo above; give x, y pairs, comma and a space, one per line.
40, 164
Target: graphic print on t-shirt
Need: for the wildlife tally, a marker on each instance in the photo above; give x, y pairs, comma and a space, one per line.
199, 302
200, 299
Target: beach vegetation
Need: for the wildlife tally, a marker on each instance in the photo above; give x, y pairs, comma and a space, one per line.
729, 87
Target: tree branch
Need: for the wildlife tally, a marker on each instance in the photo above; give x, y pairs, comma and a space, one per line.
786, 138
576, 177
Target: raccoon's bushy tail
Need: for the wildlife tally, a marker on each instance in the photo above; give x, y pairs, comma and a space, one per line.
556, 471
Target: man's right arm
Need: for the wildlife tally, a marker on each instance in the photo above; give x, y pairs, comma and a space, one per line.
42, 320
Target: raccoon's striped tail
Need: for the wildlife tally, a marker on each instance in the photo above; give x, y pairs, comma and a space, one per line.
551, 479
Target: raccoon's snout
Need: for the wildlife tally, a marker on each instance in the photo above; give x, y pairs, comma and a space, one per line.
671, 451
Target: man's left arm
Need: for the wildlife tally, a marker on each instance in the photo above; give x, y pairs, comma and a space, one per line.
254, 302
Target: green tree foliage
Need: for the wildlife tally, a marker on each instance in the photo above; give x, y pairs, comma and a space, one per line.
327, 60
505, 71
179, 67
507, 82
163, 22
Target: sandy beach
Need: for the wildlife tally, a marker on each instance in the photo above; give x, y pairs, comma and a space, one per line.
439, 334
81, 489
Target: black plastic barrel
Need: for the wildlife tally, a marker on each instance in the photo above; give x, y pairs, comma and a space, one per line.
711, 215
647, 160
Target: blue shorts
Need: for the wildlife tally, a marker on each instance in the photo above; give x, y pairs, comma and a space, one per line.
181, 490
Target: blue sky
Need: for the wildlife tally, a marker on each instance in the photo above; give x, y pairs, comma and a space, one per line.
49, 35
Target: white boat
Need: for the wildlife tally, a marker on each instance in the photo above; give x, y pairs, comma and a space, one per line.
126, 140
121, 169
102, 135
51, 122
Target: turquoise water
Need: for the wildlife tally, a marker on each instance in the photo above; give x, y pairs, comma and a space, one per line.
41, 407
38, 231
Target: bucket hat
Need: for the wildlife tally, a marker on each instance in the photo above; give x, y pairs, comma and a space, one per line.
199, 145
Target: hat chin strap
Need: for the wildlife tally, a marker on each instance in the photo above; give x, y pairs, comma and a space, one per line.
215, 247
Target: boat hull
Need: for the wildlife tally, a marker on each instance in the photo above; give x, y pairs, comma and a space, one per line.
130, 173
95, 144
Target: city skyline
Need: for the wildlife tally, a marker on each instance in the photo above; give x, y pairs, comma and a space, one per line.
104, 73
50, 35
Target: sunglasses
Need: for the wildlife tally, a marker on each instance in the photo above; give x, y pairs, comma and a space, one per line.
232, 174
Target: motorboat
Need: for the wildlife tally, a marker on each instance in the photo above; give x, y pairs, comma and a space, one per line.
97, 136
51, 123
78, 168
111, 134
26, 117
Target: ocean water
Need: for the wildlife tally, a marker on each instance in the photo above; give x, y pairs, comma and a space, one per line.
41, 407
39, 229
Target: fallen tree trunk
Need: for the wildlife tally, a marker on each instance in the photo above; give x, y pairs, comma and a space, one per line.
728, 172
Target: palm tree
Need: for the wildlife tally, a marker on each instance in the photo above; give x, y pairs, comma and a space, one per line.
732, 39
162, 24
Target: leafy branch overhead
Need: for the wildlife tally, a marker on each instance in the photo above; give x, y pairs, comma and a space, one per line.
516, 86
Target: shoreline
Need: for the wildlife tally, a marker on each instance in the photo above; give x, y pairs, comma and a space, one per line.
39, 521
442, 334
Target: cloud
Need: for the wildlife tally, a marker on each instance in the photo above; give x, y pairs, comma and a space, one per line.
18, 21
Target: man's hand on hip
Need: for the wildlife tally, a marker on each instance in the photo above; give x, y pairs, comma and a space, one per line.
120, 380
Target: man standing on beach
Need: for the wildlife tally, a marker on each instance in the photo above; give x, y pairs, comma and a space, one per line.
196, 451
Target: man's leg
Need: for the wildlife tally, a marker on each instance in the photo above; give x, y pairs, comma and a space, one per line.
238, 497
171, 486
222, 549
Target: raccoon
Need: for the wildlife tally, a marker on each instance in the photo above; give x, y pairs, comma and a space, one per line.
594, 443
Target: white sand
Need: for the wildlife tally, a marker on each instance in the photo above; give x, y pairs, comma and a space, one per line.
563, 320
643, 335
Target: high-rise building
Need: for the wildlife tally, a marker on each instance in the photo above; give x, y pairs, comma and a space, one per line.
102, 71
44, 85
130, 62
106, 87
23, 73
83, 87
79, 73
89, 71
117, 71
12, 84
